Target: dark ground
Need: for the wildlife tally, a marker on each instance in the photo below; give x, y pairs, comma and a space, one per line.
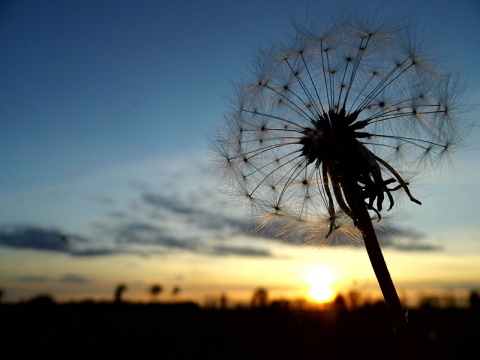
187, 331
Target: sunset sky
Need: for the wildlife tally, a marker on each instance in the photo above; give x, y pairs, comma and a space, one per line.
105, 174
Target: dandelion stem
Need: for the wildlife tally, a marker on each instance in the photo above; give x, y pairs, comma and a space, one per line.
392, 301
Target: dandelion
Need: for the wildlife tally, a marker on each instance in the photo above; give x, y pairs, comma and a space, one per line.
319, 139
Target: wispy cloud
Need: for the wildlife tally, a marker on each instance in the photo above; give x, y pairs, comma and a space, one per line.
31, 237
74, 278
179, 213
33, 279
66, 278
48, 239
403, 239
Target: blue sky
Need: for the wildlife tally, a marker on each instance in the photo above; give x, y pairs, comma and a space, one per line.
106, 111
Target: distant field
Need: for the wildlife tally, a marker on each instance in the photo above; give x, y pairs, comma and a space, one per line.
187, 331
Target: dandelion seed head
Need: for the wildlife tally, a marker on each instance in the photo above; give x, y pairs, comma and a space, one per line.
354, 105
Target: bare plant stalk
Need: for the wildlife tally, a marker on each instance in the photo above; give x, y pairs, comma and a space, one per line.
394, 306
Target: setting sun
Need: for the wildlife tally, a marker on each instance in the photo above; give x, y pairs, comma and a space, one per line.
320, 279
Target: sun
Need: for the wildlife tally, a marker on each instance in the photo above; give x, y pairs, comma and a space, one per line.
321, 279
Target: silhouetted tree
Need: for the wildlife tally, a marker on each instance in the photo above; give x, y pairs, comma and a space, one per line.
339, 304
155, 290
223, 301
175, 291
119, 290
354, 298
474, 300
259, 298
429, 302
42, 300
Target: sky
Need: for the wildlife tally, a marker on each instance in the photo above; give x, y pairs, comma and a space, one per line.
106, 178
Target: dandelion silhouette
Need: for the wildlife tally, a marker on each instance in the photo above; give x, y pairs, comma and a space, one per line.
316, 141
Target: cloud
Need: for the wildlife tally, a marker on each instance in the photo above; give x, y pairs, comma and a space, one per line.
224, 225
161, 201
33, 279
242, 251
47, 239
67, 278
204, 214
157, 236
179, 212
132, 238
31, 237
171, 225
402, 239
73, 278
